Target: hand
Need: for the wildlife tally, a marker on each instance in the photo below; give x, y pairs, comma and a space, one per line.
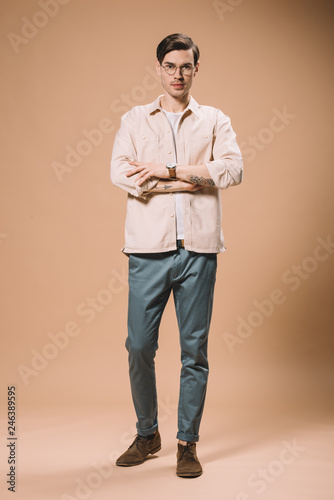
147, 170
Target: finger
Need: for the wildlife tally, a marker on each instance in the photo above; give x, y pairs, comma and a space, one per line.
143, 178
131, 172
141, 171
134, 171
136, 163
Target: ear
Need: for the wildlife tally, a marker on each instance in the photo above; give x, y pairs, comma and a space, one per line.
157, 67
196, 68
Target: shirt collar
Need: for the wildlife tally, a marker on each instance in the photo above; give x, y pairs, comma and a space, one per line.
192, 106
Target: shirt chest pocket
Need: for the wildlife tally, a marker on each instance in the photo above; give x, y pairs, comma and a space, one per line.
147, 145
201, 148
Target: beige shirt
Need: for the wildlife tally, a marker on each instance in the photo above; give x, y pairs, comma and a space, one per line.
205, 136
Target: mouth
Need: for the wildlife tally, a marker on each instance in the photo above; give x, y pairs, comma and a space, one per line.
178, 85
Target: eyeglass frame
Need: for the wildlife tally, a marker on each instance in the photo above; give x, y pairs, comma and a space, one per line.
178, 67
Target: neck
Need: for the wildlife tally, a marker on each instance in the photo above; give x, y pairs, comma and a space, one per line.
174, 104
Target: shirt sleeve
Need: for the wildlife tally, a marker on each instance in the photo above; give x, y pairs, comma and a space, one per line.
124, 150
226, 168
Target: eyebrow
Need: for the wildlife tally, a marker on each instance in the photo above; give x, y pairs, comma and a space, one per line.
167, 62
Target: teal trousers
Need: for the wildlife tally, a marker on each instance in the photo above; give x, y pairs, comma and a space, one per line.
191, 276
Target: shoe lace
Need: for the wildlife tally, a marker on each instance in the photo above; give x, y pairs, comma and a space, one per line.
136, 441
189, 451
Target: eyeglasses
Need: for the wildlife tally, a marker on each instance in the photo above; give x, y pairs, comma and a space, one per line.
170, 69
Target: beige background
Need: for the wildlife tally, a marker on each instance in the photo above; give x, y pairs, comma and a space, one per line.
61, 235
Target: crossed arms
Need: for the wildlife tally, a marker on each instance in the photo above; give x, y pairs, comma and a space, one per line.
189, 177
141, 179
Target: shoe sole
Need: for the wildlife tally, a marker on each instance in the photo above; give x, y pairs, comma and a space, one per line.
158, 448
189, 474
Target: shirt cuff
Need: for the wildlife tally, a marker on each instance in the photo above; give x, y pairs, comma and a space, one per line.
146, 186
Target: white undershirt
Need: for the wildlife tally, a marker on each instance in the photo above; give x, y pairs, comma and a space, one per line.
174, 119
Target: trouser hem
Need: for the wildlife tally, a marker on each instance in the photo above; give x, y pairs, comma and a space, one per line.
147, 432
187, 437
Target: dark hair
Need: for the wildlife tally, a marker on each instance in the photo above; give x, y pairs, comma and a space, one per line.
177, 41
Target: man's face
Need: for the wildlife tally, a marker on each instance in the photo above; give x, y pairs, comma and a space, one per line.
179, 84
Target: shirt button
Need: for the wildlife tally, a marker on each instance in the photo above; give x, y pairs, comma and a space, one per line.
170, 194
144, 137
169, 152
172, 215
205, 137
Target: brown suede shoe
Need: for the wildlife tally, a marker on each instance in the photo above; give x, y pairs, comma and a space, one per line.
140, 448
188, 464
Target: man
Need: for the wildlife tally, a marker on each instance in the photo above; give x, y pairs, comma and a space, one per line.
172, 157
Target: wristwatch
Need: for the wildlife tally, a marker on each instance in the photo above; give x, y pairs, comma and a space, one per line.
171, 170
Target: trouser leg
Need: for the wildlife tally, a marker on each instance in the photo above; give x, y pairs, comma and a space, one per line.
193, 296
149, 290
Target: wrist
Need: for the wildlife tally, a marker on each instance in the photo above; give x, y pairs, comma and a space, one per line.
171, 167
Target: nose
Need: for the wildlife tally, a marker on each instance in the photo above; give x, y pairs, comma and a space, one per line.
179, 73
